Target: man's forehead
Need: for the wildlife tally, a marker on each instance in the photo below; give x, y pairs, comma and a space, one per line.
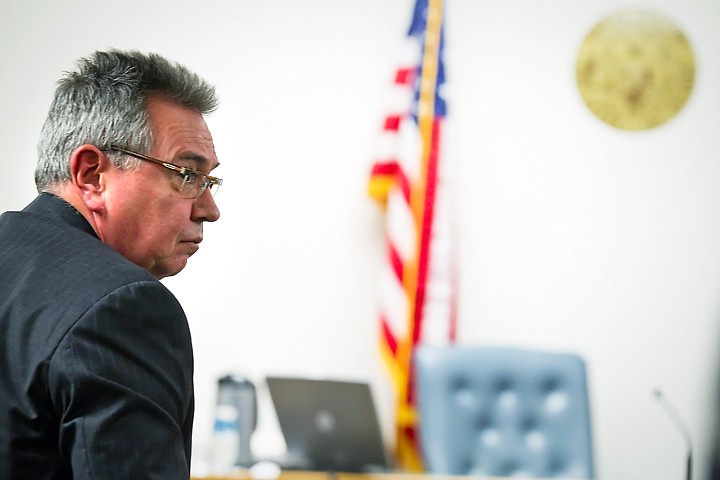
181, 133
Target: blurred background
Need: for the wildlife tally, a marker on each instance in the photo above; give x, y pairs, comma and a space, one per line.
573, 235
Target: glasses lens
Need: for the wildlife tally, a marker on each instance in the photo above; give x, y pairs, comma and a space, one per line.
214, 187
187, 184
194, 184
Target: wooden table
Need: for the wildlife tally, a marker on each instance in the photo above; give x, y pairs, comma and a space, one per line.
305, 475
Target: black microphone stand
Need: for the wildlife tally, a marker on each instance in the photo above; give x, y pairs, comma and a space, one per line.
672, 413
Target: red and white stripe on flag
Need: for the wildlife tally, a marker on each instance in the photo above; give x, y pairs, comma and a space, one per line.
418, 291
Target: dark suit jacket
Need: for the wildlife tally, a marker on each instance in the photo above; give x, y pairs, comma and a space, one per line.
95, 356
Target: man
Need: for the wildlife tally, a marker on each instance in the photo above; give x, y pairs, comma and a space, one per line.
95, 353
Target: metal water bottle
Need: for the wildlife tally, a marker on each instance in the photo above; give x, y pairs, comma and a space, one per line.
235, 421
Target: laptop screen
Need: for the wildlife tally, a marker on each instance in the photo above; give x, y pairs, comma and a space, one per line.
328, 425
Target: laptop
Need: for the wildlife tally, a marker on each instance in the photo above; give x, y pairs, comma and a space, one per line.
328, 425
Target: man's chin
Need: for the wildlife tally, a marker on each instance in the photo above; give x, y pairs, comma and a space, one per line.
168, 270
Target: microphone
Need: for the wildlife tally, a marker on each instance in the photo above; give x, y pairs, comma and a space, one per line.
679, 424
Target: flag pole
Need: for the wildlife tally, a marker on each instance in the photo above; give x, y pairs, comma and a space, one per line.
421, 201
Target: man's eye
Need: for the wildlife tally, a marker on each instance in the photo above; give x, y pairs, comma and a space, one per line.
190, 178
189, 181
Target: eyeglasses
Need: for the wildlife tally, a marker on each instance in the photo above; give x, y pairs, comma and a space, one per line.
190, 183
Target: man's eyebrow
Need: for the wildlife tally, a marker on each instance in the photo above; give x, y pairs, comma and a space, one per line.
200, 160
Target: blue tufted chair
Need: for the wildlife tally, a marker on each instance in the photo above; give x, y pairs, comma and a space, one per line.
503, 412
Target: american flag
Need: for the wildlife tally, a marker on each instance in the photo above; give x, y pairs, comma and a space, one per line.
418, 288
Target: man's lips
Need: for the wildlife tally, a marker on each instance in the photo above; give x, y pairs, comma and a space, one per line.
192, 244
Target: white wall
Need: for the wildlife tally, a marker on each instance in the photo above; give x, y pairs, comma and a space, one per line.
573, 235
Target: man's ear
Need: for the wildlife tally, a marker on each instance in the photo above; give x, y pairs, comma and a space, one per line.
88, 166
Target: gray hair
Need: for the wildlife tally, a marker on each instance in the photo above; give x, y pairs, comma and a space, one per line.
103, 104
